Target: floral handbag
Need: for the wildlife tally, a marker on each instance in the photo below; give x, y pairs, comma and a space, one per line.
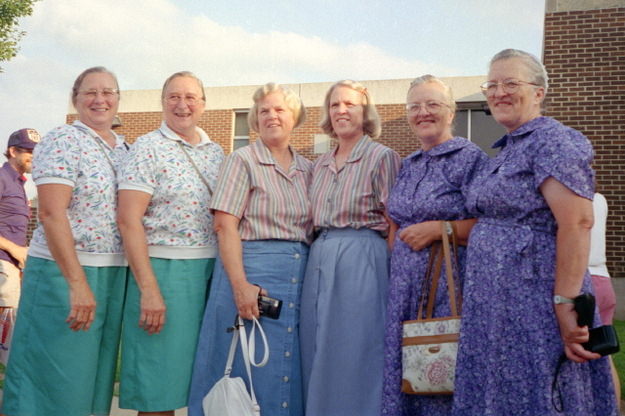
430, 345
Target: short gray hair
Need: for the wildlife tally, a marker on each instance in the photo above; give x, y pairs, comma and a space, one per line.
536, 69
426, 79
292, 100
93, 70
180, 74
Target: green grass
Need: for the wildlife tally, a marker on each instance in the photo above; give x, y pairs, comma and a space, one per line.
619, 357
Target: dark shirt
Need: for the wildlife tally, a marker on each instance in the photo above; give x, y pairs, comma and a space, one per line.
14, 209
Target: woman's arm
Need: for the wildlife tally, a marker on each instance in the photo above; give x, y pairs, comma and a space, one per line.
421, 235
574, 217
392, 230
53, 202
231, 253
131, 208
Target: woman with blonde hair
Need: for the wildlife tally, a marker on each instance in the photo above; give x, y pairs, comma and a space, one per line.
344, 294
262, 218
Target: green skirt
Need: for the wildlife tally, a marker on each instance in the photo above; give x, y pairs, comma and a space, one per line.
156, 369
53, 370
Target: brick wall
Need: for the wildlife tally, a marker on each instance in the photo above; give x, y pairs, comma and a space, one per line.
584, 52
219, 126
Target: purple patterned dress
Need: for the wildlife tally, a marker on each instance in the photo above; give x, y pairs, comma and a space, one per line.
430, 186
510, 341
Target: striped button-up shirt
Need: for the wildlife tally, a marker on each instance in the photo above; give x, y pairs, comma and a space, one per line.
355, 195
270, 203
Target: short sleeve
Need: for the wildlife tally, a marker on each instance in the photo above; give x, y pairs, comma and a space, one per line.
138, 167
566, 155
474, 160
233, 186
386, 172
56, 158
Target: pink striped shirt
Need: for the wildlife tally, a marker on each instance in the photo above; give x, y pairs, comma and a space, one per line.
271, 203
355, 195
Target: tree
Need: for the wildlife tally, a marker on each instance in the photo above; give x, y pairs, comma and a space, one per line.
10, 12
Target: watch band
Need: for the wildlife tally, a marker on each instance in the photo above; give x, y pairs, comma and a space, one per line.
557, 300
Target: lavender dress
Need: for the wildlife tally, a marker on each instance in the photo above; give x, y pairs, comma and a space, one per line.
510, 341
430, 186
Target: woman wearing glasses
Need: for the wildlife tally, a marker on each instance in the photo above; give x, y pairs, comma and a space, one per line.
527, 260
430, 189
67, 332
167, 228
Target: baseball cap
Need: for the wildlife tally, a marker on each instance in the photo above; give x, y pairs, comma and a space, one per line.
24, 138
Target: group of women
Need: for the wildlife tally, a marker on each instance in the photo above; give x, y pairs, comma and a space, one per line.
317, 236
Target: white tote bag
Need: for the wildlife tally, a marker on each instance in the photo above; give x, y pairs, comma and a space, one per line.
229, 396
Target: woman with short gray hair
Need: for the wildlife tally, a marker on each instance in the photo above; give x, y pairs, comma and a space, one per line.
521, 349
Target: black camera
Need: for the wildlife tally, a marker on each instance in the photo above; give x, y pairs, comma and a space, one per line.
603, 339
269, 307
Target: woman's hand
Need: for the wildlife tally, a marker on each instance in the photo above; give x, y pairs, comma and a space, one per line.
246, 299
152, 317
572, 335
421, 235
82, 306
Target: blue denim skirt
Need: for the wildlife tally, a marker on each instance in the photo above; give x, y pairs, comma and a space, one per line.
278, 266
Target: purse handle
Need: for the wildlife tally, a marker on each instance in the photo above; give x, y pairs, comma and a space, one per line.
433, 272
248, 350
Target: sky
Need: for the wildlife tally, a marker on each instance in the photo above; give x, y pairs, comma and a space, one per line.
245, 42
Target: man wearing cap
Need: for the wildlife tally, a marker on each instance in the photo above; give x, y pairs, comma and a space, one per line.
14, 216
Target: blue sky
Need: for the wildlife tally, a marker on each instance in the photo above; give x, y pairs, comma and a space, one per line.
240, 42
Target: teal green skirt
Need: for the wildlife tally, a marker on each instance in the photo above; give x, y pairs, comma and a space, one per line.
53, 370
156, 369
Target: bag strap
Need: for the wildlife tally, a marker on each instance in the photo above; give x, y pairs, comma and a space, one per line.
452, 289
246, 359
433, 272
252, 344
197, 170
434, 250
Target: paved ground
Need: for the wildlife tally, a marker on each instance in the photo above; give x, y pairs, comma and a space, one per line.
116, 411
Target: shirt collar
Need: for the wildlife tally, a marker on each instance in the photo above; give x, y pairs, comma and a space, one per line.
82, 126
172, 135
264, 157
444, 148
12, 172
523, 131
357, 152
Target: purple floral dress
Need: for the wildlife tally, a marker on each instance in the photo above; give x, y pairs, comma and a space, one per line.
510, 341
430, 186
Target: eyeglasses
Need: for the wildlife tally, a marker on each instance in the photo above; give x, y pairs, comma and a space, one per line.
509, 86
106, 92
432, 107
189, 100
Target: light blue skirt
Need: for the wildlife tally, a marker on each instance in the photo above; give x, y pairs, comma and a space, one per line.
278, 266
342, 324
53, 370
156, 369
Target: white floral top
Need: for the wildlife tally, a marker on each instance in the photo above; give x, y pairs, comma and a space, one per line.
177, 222
76, 156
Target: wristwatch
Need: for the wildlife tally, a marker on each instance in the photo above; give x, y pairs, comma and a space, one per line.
557, 300
448, 228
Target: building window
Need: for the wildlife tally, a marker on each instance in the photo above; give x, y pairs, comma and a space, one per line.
477, 125
241, 130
